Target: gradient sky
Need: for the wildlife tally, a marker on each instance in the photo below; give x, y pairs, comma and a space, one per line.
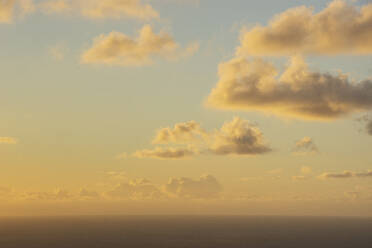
70, 127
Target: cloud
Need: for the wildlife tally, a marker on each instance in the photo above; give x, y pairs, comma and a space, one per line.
10, 8
139, 188
118, 49
8, 140
166, 153
58, 194
238, 137
345, 175
98, 9
87, 194
117, 175
275, 171
181, 133
5, 191
353, 195
367, 121
206, 186
369, 127
306, 170
305, 145
255, 86
299, 178
6, 10
57, 52
340, 28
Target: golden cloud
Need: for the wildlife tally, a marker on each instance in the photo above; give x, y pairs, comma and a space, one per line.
305, 145
345, 174
254, 85
340, 28
237, 137
118, 49
10, 8
165, 153
179, 134
8, 140
206, 186
98, 9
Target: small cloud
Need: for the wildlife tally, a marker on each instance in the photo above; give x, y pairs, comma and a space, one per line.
181, 133
118, 49
367, 121
305, 146
345, 175
121, 156
238, 137
248, 179
98, 9
205, 187
15, 8
165, 153
275, 171
299, 178
56, 195
135, 189
88, 194
57, 52
306, 170
8, 140
117, 175
353, 195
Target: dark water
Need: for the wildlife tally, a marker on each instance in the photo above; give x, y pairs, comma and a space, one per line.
185, 231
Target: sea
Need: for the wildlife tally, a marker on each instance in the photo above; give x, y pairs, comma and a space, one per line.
185, 232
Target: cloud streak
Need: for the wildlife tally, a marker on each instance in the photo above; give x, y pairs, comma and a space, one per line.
346, 175
98, 9
8, 140
165, 153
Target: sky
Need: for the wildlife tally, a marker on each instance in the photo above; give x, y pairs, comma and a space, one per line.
185, 107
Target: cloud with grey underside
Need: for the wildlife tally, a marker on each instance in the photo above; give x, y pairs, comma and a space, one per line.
340, 28
346, 175
366, 121
255, 85
237, 137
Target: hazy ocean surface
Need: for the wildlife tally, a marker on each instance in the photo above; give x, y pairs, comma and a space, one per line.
185, 231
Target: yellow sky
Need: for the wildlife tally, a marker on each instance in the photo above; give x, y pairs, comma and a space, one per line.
185, 107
